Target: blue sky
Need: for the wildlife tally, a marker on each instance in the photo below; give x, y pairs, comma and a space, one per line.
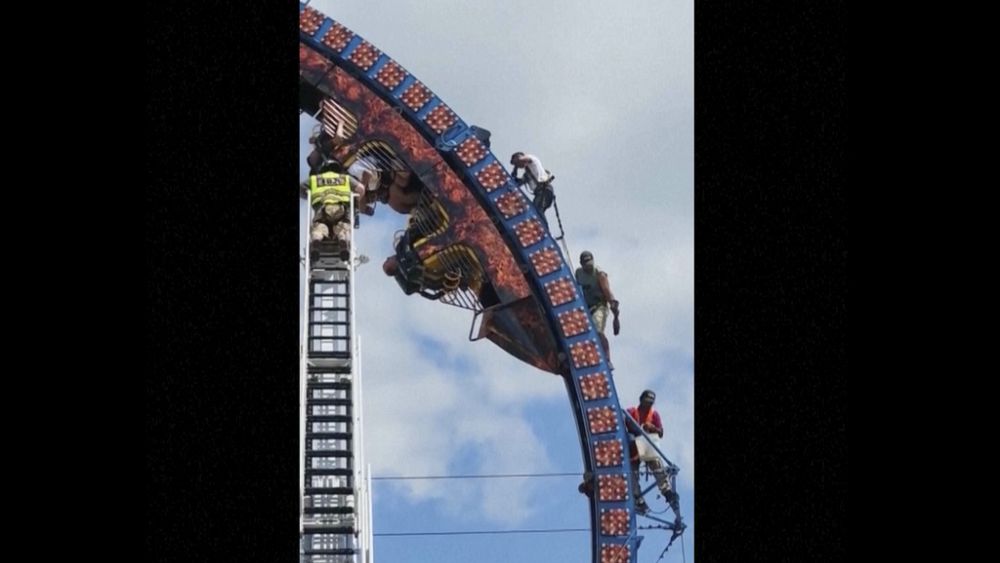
604, 95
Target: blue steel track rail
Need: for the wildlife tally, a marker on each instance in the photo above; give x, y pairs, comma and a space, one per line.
603, 437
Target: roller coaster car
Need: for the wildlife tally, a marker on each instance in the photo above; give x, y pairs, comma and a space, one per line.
453, 274
394, 183
409, 270
449, 270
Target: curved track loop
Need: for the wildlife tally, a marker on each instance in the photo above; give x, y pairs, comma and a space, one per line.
334, 60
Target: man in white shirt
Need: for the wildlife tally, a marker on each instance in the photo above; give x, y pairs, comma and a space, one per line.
537, 178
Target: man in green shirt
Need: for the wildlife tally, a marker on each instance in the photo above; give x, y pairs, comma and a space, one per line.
599, 298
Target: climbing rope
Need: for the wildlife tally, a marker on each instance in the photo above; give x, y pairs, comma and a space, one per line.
562, 236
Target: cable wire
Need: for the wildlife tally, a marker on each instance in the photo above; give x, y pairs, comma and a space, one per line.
496, 476
482, 532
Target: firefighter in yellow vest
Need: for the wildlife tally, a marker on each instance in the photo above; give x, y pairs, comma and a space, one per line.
330, 195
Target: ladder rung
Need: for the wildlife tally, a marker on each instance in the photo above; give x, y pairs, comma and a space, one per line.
333, 402
329, 436
328, 308
329, 355
342, 385
342, 551
341, 471
329, 491
322, 529
339, 370
328, 510
328, 418
328, 453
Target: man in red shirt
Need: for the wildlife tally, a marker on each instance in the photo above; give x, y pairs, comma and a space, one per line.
647, 417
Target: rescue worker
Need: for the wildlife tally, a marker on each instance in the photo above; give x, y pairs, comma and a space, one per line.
330, 195
538, 179
597, 293
649, 420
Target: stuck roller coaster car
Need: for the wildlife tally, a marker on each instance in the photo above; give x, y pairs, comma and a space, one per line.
443, 272
454, 275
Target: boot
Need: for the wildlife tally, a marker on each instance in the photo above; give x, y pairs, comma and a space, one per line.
587, 486
670, 496
640, 506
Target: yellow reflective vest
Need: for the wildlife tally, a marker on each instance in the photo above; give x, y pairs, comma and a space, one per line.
329, 188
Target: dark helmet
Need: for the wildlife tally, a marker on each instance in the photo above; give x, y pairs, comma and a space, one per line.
586, 256
648, 394
331, 166
515, 156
